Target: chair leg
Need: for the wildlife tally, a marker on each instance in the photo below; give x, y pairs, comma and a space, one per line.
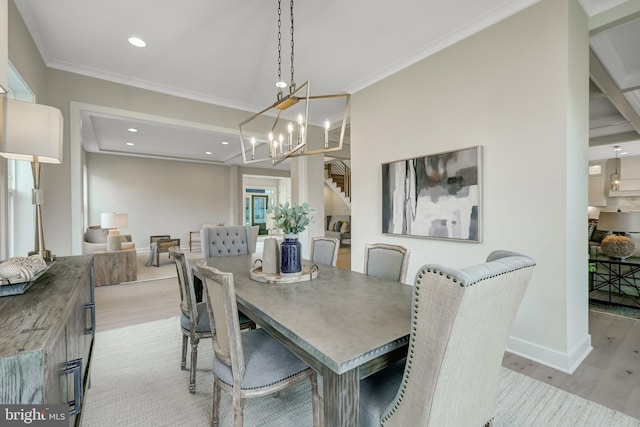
194, 365
158, 258
315, 400
215, 414
183, 363
238, 409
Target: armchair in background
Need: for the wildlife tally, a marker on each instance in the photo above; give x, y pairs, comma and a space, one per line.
161, 244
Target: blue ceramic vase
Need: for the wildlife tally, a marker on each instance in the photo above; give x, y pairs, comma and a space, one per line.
290, 255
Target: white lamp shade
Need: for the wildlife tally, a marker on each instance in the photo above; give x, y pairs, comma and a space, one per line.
113, 220
122, 220
623, 222
108, 220
32, 130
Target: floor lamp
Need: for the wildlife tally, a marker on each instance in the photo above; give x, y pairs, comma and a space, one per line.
33, 132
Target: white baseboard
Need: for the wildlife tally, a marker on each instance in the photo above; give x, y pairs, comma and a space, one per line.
564, 362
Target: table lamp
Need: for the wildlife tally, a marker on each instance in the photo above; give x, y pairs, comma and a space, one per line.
114, 222
33, 132
617, 245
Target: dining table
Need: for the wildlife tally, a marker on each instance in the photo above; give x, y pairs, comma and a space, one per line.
344, 324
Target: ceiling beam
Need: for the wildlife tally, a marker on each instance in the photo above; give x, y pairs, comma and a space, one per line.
603, 80
617, 138
625, 12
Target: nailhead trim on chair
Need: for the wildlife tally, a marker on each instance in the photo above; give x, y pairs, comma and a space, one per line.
463, 284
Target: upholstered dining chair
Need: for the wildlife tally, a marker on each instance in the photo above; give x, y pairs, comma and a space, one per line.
324, 250
250, 364
194, 321
228, 240
386, 261
460, 324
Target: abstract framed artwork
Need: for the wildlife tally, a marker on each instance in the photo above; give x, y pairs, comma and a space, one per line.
434, 196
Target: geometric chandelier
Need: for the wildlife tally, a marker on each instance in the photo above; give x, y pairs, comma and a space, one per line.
286, 129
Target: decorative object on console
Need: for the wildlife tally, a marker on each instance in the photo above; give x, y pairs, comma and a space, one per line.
114, 222
18, 274
291, 220
288, 135
436, 196
618, 245
33, 132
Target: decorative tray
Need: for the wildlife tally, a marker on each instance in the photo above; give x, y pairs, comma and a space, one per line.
308, 273
7, 288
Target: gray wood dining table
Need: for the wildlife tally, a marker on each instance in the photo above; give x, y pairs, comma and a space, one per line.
344, 324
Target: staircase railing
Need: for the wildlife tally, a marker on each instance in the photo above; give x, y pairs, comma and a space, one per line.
340, 173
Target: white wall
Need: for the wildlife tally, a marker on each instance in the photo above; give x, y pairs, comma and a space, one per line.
334, 205
160, 196
518, 89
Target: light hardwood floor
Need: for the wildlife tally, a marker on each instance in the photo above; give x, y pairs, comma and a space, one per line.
610, 375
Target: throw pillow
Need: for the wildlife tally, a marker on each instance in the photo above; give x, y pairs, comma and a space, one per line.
345, 227
337, 226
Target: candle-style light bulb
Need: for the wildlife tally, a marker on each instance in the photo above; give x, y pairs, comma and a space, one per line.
271, 153
253, 148
290, 129
280, 139
327, 125
300, 131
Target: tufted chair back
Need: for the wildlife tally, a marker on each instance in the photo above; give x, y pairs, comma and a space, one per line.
460, 326
228, 240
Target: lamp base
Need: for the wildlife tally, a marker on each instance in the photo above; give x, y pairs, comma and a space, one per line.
114, 243
45, 254
617, 246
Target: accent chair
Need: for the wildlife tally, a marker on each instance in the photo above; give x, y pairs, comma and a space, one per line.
250, 364
386, 261
162, 244
324, 250
461, 320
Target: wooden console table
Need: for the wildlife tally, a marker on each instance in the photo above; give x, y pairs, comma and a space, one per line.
47, 339
113, 267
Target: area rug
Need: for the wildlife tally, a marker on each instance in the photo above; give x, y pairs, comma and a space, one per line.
145, 273
136, 380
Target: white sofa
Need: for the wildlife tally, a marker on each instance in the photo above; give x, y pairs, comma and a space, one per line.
95, 239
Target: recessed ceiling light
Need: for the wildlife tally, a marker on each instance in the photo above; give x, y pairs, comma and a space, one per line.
208, 153
137, 42
281, 84
133, 130
131, 144
225, 143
